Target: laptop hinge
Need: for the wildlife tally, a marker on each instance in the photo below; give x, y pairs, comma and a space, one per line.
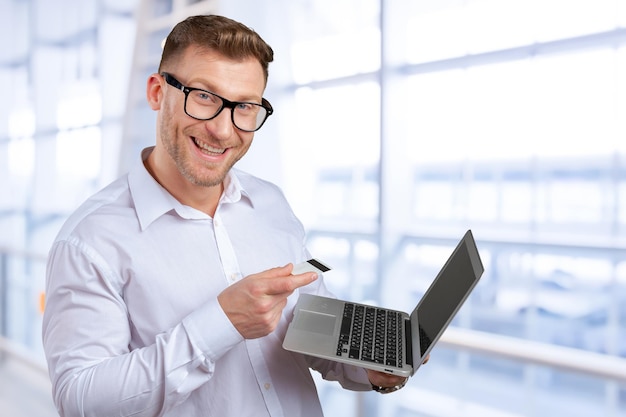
409, 342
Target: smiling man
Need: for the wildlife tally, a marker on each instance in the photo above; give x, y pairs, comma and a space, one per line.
169, 292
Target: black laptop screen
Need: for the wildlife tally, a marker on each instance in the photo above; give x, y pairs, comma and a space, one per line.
447, 293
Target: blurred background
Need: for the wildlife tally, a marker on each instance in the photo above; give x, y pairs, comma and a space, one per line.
398, 125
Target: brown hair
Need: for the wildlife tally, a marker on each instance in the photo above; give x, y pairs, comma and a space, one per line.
221, 34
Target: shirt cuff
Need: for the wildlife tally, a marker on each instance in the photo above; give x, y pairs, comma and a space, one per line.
211, 331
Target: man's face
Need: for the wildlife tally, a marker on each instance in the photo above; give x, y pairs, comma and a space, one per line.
204, 151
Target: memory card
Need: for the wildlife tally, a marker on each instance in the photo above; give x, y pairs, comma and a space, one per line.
312, 265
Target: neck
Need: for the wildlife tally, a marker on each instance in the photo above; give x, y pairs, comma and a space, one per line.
199, 197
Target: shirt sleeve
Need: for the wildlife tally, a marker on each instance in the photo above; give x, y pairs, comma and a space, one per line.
350, 377
87, 338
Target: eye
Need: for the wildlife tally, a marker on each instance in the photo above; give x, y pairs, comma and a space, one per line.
247, 108
204, 97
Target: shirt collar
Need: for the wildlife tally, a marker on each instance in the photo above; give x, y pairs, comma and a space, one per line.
152, 200
233, 190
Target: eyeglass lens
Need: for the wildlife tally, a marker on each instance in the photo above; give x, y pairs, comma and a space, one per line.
205, 105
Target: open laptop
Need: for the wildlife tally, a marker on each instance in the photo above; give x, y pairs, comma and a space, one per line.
347, 332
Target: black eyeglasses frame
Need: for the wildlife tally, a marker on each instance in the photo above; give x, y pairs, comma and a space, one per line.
171, 80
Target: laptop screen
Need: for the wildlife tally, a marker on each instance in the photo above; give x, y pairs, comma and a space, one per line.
448, 291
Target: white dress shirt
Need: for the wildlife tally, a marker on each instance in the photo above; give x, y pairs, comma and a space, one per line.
132, 326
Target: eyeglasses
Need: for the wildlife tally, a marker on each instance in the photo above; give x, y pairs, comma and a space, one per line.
205, 105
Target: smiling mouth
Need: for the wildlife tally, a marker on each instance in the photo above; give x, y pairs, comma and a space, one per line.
208, 149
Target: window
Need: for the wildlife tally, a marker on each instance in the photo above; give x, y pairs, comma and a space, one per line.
408, 122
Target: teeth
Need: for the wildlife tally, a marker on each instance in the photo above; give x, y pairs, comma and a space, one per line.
208, 148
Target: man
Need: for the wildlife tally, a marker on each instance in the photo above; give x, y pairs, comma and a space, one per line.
169, 292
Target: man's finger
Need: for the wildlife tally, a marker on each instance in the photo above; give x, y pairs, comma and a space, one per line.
288, 284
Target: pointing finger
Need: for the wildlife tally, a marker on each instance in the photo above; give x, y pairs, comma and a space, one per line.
286, 285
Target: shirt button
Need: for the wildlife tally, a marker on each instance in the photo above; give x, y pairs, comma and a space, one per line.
267, 385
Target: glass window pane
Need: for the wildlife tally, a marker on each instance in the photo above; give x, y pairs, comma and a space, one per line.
336, 140
334, 38
436, 30
78, 153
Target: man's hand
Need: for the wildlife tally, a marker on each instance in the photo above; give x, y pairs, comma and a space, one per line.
254, 305
385, 380
381, 379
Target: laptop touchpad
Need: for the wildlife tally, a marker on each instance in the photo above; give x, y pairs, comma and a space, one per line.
316, 322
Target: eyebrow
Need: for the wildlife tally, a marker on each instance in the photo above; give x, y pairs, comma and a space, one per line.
205, 86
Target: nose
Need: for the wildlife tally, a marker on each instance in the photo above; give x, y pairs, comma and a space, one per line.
221, 126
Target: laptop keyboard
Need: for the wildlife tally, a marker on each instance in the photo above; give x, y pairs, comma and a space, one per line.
371, 334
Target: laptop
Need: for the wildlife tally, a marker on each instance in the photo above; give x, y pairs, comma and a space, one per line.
381, 339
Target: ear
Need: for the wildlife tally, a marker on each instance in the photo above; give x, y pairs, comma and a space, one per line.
154, 91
